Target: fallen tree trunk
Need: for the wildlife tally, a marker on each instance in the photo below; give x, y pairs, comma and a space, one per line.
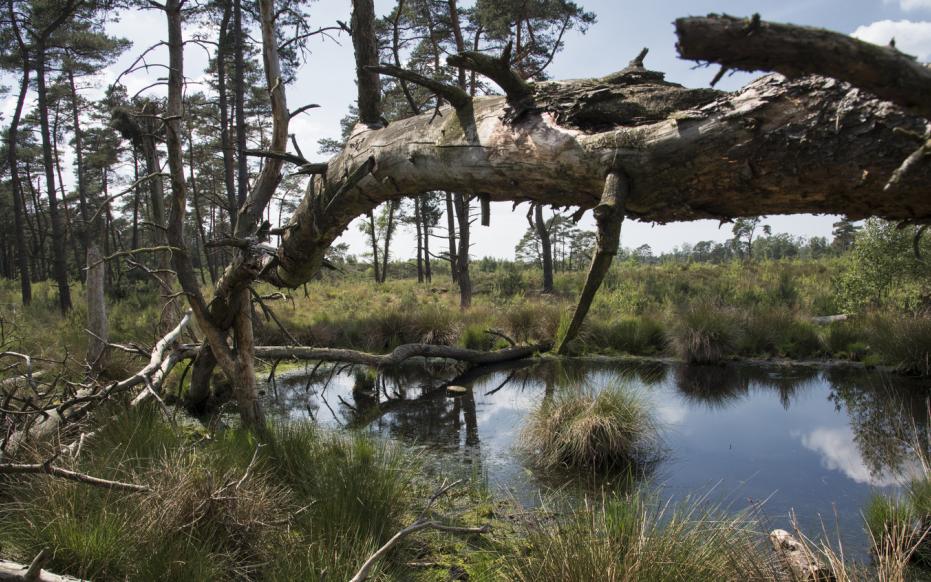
777, 146
400, 354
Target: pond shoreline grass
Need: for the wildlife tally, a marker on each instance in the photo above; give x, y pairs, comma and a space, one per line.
313, 505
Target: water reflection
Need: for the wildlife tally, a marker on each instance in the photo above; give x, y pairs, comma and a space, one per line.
816, 441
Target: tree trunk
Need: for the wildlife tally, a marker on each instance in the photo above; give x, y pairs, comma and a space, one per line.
22, 255
96, 307
545, 247
609, 214
389, 230
239, 98
231, 307
170, 314
365, 43
465, 280
419, 232
95, 282
376, 265
196, 203
60, 265
428, 273
229, 178
451, 234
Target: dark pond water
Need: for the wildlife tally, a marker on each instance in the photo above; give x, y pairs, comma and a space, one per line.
816, 442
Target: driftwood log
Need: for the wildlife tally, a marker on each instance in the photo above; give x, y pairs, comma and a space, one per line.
804, 566
14, 572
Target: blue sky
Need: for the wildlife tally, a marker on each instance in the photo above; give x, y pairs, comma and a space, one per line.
623, 28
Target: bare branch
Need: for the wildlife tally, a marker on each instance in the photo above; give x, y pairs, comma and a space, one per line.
749, 44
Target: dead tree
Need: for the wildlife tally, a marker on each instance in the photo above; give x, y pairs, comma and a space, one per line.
665, 153
629, 144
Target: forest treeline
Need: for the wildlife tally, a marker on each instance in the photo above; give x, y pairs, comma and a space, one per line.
83, 166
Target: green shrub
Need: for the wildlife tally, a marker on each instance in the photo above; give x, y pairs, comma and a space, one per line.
902, 524
307, 505
800, 340
845, 339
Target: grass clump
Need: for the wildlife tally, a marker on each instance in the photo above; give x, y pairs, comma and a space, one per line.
900, 527
591, 432
634, 538
642, 335
703, 334
307, 505
903, 342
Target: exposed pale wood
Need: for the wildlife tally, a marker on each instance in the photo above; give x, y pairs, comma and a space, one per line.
777, 146
804, 566
160, 364
420, 523
14, 572
61, 472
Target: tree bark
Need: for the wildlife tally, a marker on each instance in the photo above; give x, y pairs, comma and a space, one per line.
376, 264
95, 282
546, 248
462, 256
229, 178
777, 146
22, 255
365, 43
428, 272
239, 100
59, 263
749, 44
419, 232
389, 231
401, 354
451, 236
230, 310
96, 307
609, 214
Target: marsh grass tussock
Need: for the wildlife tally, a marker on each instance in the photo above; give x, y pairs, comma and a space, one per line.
635, 537
703, 334
592, 432
308, 504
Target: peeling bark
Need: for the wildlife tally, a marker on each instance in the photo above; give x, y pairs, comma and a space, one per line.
777, 146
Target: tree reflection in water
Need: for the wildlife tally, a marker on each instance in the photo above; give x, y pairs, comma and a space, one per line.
888, 415
412, 403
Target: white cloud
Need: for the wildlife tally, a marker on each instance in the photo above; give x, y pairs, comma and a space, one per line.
839, 453
911, 37
911, 5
